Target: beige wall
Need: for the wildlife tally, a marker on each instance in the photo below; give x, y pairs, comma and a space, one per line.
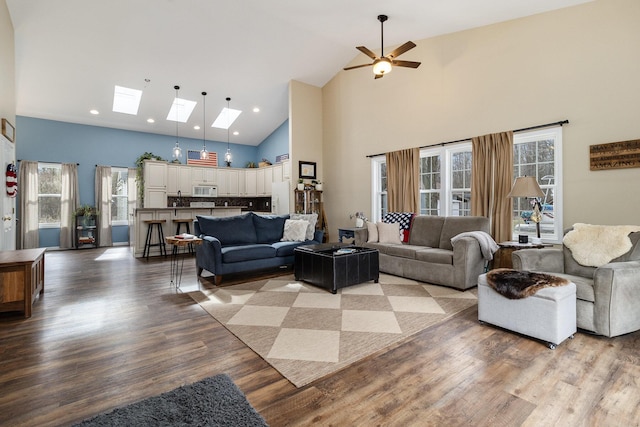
580, 63
7, 66
305, 128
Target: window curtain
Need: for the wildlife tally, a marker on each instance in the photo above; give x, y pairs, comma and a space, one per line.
132, 197
28, 181
492, 172
103, 204
403, 173
68, 204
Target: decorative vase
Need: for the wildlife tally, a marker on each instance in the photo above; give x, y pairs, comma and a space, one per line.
301, 187
319, 187
359, 222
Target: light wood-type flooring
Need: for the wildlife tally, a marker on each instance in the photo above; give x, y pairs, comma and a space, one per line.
110, 330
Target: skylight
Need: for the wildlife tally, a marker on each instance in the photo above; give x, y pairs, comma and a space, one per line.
226, 118
180, 110
126, 100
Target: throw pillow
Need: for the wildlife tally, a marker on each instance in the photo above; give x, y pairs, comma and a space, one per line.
312, 219
295, 230
403, 219
372, 231
389, 233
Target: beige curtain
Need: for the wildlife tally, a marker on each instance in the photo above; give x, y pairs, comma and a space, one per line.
103, 195
28, 194
492, 173
68, 204
403, 174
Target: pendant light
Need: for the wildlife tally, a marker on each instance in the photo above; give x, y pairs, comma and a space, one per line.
177, 151
227, 156
204, 154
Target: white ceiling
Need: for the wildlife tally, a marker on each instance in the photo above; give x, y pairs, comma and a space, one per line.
71, 53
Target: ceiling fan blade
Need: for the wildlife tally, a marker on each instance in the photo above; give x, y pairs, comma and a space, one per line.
410, 64
358, 66
401, 49
367, 52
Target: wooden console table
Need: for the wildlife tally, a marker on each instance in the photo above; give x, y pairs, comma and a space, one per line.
21, 279
502, 258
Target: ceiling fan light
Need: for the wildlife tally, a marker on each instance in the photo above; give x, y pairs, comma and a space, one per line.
382, 66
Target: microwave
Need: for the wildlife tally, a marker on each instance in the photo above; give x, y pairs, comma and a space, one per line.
204, 191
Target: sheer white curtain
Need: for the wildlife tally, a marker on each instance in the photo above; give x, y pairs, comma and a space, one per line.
28, 195
132, 197
103, 194
69, 201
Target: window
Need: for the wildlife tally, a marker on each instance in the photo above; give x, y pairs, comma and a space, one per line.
539, 154
119, 196
49, 194
445, 181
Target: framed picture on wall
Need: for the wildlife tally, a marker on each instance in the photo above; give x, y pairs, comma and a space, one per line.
307, 169
8, 130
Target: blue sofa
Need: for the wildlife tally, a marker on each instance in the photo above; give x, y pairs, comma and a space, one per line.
244, 243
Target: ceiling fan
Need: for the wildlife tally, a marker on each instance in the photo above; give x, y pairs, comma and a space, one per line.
382, 65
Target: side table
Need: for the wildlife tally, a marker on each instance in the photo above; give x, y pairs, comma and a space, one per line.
348, 232
176, 263
502, 258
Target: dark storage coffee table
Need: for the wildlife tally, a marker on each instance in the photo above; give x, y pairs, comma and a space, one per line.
325, 266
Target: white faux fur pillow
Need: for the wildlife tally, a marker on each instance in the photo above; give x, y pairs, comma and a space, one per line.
389, 233
372, 232
295, 230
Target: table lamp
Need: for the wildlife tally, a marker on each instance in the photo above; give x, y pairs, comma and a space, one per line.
527, 186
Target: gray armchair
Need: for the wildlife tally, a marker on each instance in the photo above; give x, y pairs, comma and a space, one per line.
608, 297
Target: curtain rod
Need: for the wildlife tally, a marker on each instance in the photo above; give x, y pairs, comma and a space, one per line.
45, 161
120, 167
546, 125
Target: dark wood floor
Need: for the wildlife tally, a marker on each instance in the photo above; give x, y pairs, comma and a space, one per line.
110, 330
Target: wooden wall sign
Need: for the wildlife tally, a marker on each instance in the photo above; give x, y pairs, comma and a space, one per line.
615, 155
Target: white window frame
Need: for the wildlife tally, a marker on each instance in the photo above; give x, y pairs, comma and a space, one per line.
113, 171
554, 133
42, 225
376, 202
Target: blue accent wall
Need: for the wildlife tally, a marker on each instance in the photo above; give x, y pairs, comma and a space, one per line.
61, 142
275, 144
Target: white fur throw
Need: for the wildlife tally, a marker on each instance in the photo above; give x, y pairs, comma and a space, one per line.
597, 245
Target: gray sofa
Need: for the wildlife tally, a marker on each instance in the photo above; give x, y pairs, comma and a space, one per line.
244, 243
608, 297
429, 256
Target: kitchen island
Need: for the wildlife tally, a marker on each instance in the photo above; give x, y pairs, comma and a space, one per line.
138, 228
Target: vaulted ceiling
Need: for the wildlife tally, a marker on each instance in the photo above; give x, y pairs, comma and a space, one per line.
71, 53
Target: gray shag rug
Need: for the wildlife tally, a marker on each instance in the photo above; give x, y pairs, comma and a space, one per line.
215, 401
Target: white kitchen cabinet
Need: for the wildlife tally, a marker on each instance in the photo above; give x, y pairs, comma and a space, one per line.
179, 179
155, 184
228, 182
250, 182
268, 180
277, 173
204, 175
286, 170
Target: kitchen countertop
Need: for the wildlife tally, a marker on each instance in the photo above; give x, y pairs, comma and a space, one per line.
191, 208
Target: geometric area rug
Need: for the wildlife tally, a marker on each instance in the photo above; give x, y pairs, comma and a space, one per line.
306, 332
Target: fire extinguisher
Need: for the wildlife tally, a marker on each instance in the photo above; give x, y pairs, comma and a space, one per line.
12, 180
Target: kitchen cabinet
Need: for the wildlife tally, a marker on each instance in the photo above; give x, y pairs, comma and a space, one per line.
155, 184
250, 188
228, 182
179, 179
286, 170
277, 173
203, 175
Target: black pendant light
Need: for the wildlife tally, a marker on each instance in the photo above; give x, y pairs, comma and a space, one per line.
227, 156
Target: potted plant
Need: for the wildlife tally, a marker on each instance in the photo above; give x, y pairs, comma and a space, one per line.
318, 185
88, 214
301, 184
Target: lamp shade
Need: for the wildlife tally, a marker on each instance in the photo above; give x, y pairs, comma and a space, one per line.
382, 66
525, 186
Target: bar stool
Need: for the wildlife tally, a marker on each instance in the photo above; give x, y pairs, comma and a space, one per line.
187, 222
157, 224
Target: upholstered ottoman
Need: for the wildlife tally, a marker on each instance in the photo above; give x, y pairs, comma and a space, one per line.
549, 314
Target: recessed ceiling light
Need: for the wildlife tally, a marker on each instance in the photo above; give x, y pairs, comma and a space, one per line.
180, 110
235, 132
94, 112
126, 100
256, 110
226, 117
150, 120
196, 127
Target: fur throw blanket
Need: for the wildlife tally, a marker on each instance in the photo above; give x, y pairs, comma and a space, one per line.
597, 245
515, 284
